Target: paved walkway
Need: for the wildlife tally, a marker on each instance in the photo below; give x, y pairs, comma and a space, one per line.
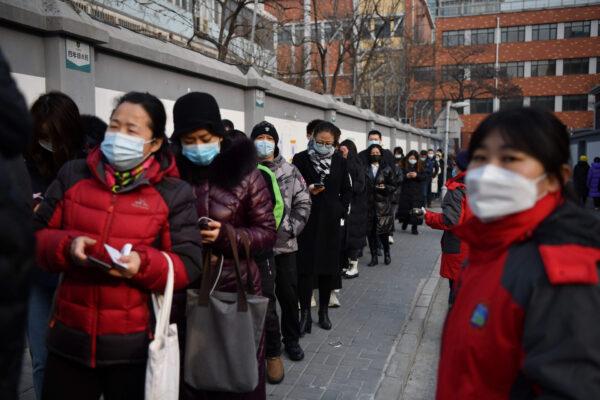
348, 361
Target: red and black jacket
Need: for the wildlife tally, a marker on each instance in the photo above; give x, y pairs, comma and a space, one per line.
454, 212
99, 319
524, 323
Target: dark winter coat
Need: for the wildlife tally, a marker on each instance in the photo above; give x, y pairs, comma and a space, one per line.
454, 212
580, 174
356, 221
319, 244
593, 180
411, 197
380, 199
399, 178
16, 233
100, 320
432, 168
524, 324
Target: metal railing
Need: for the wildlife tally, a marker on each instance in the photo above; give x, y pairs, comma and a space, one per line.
464, 8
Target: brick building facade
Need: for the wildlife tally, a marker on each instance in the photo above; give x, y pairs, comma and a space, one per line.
550, 54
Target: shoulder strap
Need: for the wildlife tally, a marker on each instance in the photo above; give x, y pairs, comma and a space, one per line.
242, 299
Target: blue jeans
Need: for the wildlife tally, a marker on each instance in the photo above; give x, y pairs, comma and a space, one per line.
40, 302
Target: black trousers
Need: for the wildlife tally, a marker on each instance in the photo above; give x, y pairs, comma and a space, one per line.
376, 241
65, 380
325, 283
286, 289
272, 330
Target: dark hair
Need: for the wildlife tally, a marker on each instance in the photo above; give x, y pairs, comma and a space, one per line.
428, 150
328, 127
423, 152
228, 125
418, 165
597, 159
374, 132
158, 118
55, 119
398, 149
375, 146
94, 129
535, 132
352, 150
310, 127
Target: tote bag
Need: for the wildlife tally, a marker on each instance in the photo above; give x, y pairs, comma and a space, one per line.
162, 369
224, 331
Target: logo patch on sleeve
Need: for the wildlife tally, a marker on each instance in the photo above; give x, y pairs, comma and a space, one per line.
480, 316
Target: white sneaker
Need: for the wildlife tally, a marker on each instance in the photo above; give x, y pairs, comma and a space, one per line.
334, 302
391, 240
313, 302
352, 271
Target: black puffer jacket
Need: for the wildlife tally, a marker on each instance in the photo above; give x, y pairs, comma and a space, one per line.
16, 233
411, 197
380, 198
356, 222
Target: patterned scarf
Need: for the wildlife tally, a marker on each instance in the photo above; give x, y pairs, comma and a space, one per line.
320, 162
117, 180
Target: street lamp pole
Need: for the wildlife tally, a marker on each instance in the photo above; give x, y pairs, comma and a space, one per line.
446, 133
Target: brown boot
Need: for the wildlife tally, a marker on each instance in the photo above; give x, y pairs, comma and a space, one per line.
274, 370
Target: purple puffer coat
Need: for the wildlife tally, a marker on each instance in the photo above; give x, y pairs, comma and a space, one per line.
593, 180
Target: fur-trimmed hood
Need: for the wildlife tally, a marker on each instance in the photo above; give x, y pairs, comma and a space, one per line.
236, 160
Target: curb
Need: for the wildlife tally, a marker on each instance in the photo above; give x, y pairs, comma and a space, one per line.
404, 352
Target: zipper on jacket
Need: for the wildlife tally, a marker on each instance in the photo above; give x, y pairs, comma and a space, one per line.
111, 209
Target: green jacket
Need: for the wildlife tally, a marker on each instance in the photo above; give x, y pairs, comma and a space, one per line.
278, 206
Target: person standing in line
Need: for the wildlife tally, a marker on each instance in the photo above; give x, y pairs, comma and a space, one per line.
439, 158
431, 169
16, 236
454, 212
412, 191
580, 174
593, 182
125, 192
381, 186
310, 128
399, 176
58, 137
228, 125
356, 222
326, 174
375, 137
524, 323
94, 129
297, 206
229, 190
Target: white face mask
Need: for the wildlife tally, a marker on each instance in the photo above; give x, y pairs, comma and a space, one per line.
495, 192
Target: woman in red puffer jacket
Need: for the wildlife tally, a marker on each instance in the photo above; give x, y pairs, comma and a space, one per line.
230, 190
125, 192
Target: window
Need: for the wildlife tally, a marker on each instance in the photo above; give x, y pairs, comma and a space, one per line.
453, 38
543, 68
382, 28
482, 106
577, 102
512, 34
398, 26
574, 66
284, 36
482, 36
513, 69
577, 29
482, 71
543, 32
453, 73
511, 103
424, 74
542, 102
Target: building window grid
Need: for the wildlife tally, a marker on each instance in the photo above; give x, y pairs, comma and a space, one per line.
575, 102
512, 34
544, 32
481, 106
453, 38
424, 74
576, 66
511, 103
514, 69
542, 102
577, 29
543, 68
482, 36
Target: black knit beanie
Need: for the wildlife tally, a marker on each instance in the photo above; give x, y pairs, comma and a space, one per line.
266, 128
195, 111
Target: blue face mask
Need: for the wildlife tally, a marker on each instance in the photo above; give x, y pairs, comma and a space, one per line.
372, 142
201, 154
123, 152
264, 148
324, 149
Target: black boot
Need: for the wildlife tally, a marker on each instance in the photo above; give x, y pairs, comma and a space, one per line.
388, 258
404, 226
305, 322
374, 260
415, 231
324, 321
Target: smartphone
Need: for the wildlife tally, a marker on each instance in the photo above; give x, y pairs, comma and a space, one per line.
203, 222
318, 185
99, 263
